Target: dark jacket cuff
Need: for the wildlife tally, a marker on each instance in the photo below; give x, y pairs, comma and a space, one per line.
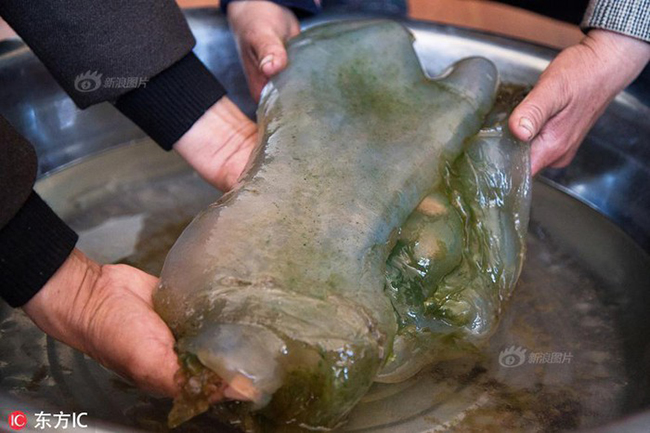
33, 246
300, 7
169, 104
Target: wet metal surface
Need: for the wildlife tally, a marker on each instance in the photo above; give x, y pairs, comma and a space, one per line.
573, 304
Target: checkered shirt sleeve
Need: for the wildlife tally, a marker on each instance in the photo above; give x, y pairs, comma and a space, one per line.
629, 17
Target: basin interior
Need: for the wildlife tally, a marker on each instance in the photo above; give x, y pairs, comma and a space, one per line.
576, 323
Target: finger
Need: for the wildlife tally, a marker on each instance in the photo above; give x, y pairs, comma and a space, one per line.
546, 100
559, 140
161, 378
242, 388
547, 146
268, 51
256, 81
265, 56
570, 151
142, 352
540, 154
564, 160
138, 282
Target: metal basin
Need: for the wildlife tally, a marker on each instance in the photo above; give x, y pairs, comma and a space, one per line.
571, 352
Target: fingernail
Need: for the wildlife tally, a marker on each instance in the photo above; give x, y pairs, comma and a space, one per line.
525, 123
242, 388
266, 60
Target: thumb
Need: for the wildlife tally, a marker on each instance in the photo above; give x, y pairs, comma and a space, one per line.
545, 100
269, 52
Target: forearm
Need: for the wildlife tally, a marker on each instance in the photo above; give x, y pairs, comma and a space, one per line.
34, 241
622, 57
17, 171
61, 308
134, 54
119, 38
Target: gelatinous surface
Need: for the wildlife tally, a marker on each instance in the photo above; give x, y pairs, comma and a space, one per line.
278, 288
459, 255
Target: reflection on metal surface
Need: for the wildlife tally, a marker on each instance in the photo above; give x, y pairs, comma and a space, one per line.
606, 277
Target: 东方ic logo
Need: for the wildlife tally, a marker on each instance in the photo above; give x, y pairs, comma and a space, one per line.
17, 420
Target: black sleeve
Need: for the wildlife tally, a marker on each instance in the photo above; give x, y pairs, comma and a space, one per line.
102, 50
34, 242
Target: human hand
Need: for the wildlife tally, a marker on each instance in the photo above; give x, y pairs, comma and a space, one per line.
219, 144
573, 92
106, 312
261, 28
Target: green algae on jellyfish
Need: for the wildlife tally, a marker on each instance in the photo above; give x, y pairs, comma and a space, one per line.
277, 291
459, 255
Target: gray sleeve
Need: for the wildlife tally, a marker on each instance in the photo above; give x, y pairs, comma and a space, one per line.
629, 17
111, 39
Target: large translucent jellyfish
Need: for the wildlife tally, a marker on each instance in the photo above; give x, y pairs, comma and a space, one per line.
460, 253
279, 289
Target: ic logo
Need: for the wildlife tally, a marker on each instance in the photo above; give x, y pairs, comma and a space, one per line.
17, 420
